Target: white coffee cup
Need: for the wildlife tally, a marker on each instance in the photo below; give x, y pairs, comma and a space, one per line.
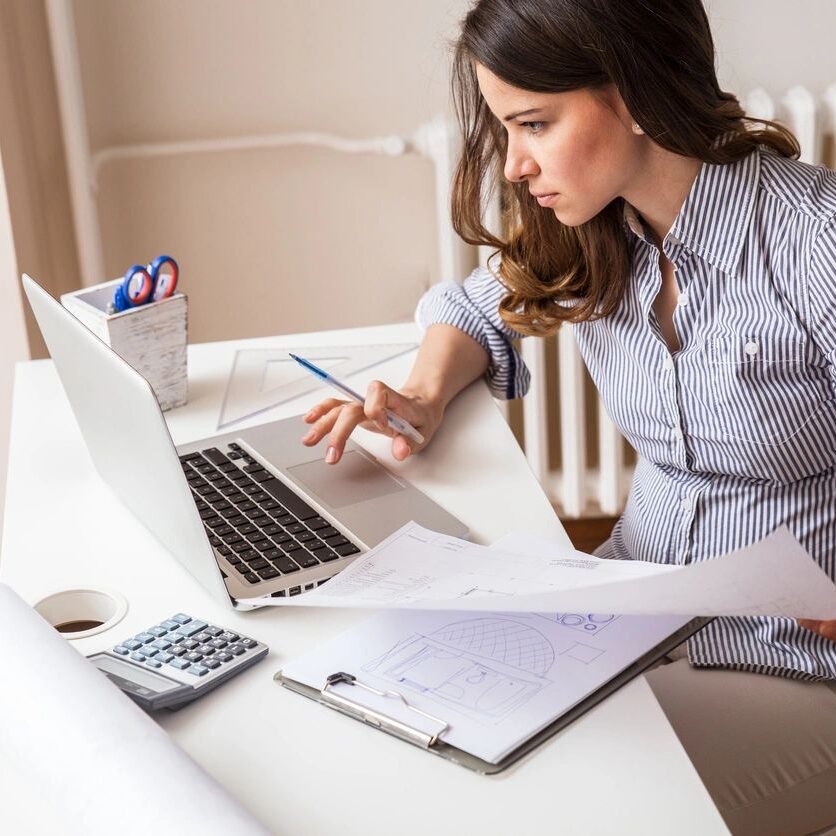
78, 613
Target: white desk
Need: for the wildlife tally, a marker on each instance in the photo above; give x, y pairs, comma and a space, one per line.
297, 766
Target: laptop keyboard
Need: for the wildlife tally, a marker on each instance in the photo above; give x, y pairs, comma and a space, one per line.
261, 526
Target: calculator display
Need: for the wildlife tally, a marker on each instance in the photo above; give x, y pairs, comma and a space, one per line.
133, 679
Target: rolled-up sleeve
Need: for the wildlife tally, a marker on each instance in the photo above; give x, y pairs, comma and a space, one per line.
473, 307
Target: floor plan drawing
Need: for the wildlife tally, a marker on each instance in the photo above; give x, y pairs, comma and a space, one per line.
486, 667
590, 623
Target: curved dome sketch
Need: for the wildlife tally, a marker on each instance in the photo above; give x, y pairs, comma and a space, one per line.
510, 642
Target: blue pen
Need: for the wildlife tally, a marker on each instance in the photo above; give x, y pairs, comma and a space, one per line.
395, 422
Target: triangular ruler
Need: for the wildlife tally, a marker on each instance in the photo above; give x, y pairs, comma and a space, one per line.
262, 378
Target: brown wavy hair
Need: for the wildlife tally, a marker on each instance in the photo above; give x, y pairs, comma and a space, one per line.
659, 54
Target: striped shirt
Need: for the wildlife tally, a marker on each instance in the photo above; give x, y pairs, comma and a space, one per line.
736, 431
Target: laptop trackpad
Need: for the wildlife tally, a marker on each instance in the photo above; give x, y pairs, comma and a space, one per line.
354, 479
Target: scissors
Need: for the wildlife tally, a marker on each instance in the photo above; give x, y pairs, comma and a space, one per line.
145, 284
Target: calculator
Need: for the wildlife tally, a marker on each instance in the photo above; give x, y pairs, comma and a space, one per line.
177, 661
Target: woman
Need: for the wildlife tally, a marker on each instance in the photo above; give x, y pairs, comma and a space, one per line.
697, 259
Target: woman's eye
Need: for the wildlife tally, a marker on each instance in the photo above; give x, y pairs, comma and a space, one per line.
533, 127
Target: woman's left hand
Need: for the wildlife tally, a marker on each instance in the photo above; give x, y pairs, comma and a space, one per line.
823, 628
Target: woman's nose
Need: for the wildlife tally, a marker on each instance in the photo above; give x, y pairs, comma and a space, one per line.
519, 165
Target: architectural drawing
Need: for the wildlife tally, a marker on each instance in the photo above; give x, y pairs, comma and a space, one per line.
486, 667
590, 624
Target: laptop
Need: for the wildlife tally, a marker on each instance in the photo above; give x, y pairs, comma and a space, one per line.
249, 514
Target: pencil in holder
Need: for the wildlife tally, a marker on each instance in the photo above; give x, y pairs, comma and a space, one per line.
151, 337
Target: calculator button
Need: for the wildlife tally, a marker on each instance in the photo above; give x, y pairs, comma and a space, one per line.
142, 638
122, 651
213, 631
161, 644
205, 649
132, 644
170, 624
223, 656
198, 670
180, 664
189, 644
194, 656
148, 651
174, 638
218, 644
229, 637
164, 657
191, 628
176, 650
211, 664
157, 631
153, 663
201, 637
235, 649
137, 657
248, 643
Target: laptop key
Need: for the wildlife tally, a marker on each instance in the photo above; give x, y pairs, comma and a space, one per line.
246, 506
252, 577
281, 538
258, 564
248, 555
346, 549
330, 531
215, 456
272, 528
243, 568
305, 559
305, 536
250, 489
261, 476
317, 523
285, 565
296, 505
294, 528
270, 505
237, 519
333, 542
326, 555
247, 529
262, 545
240, 547
269, 573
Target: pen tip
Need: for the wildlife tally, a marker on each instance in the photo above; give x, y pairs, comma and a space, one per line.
293, 356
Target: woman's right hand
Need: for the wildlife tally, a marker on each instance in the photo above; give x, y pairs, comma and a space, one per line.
337, 419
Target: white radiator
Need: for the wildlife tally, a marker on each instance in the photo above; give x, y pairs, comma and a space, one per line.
593, 478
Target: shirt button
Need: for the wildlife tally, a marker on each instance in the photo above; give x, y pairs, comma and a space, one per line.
668, 364
677, 431
686, 504
684, 298
751, 348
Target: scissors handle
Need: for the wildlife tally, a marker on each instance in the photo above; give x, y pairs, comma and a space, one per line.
153, 285
166, 283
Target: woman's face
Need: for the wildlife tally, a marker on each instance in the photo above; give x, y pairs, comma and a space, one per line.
576, 151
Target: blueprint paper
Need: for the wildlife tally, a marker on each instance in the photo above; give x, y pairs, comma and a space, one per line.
495, 679
93, 755
422, 569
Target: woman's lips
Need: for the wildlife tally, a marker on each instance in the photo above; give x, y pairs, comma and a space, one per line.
547, 199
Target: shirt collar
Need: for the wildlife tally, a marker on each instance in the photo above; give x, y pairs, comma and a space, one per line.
713, 220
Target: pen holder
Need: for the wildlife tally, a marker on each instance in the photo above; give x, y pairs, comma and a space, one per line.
152, 337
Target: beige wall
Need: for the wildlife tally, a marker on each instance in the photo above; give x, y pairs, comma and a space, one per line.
276, 240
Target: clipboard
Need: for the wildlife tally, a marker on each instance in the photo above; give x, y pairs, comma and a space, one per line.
433, 743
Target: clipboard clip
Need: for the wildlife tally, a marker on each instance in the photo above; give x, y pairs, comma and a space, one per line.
377, 718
